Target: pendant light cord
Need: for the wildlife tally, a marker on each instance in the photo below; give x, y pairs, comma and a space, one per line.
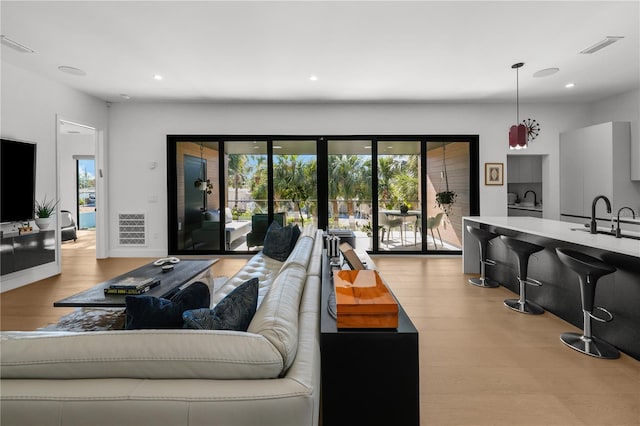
517, 97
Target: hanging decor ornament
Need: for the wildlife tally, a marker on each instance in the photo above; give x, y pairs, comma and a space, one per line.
446, 198
533, 128
202, 183
518, 132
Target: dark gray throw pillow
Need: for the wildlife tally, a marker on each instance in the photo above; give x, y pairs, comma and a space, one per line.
277, 242
144, 312
234, 312
295, 234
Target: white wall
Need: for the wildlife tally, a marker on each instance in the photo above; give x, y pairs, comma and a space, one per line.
30, 106
138, 136
623, 107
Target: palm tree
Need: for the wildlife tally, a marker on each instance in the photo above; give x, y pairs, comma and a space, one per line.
237, 166
344, 175
386, 171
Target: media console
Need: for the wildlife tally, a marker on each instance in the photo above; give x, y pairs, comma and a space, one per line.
26, 251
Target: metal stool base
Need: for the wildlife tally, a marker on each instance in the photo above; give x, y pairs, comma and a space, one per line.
483, 282
524, 308
597, 348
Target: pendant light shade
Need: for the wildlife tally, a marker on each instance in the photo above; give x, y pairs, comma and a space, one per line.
518, 136
517, 132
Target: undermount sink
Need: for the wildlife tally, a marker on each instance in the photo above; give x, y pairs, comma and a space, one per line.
633, 237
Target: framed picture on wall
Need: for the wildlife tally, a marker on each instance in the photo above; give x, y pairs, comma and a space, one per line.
494, 173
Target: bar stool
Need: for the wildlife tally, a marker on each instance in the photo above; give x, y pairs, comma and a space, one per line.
589, 270
523, 250
483, 236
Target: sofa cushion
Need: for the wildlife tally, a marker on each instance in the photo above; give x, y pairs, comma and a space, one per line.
146, 354
143, 312
234, 312
277, 317
228, 215
259, 266
277, 241
300, 254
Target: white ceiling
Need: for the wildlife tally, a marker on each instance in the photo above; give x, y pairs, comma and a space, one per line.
361, 51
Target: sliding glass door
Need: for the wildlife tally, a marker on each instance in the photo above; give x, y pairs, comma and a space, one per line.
397, 194
449, 187
399, 210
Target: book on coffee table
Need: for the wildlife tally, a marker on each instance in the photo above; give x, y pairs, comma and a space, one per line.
132, 285
132, 282
133, 290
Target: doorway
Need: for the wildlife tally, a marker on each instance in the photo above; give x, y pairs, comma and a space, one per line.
77, 180
86, 193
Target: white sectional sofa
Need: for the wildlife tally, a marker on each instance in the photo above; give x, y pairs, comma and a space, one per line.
269, 375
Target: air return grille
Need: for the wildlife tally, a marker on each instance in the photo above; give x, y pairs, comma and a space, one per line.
132, 229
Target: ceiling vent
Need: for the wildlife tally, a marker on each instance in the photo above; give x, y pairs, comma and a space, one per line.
15, 45
601, 44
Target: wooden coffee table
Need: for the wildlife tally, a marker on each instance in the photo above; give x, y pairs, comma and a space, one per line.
183, 272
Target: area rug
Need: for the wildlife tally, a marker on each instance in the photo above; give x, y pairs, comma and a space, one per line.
100, 319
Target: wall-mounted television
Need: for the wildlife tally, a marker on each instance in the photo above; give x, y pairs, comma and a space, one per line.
17, 180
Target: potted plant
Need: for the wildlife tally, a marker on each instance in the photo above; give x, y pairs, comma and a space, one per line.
445, 199
44, 210
404, 207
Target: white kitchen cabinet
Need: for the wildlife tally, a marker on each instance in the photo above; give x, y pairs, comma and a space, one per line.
521, 212
595, 161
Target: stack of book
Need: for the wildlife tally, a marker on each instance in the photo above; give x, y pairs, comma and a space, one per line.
132, 285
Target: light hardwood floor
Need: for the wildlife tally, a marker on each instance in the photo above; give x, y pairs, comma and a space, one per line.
480, 363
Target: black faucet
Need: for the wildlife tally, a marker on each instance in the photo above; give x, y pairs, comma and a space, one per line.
594, 223
535, 201
618, 233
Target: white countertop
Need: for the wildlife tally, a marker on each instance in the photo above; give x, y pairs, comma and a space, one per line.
561, 231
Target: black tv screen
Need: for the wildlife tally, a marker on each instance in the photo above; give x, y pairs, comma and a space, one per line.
17, 180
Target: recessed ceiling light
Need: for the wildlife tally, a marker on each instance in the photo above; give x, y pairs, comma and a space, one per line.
72, 70
313, 78
570, 85
546, 72
15, 45
601, 44
157, 77
367, 147
125, 96
277, 147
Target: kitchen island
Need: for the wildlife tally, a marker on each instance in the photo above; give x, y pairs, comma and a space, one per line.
560, 293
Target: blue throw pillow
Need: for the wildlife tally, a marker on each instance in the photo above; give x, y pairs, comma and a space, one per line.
143, 312
295, 234
234, 312
277, 242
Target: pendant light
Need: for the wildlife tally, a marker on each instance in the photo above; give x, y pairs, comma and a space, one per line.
517, 132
